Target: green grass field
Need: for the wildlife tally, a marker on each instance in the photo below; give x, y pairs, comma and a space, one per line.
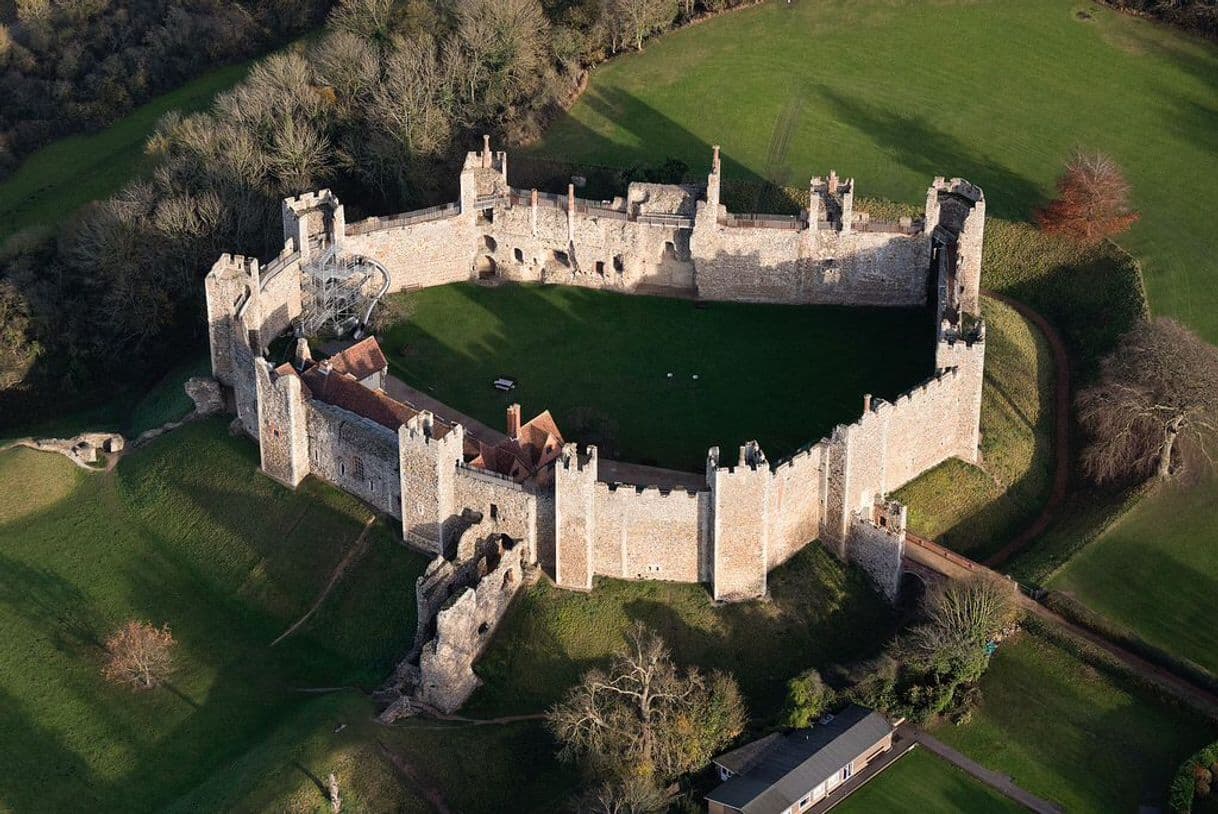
1072, 734
784, 375
819, 613
976, 510
57, 180
919, 783
183, 532
1155, 572
896, 92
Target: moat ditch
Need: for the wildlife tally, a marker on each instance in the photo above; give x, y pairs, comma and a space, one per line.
656, 380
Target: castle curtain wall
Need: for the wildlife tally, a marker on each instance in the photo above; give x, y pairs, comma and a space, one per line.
751, 516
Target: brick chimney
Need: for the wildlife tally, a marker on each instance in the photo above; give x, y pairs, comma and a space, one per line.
513, 420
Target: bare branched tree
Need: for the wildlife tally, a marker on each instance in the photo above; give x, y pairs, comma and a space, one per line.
644, 716
636, 20
1092, 200
962, 616
628, 795
1155, 408
139, 654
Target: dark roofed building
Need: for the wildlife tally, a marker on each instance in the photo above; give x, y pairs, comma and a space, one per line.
787, 774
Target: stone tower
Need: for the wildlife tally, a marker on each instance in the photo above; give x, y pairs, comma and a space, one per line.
740, 499
313, 223
428, 470
282, 425
574, 517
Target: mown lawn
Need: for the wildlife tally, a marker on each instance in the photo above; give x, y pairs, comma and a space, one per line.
1155, 572
894, 93
819, 613
975, 510
784, 375
1073, 734
918, 783
184, 532
57, 180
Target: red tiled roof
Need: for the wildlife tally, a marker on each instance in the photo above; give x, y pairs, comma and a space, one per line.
342, 390
523, 455
360, 360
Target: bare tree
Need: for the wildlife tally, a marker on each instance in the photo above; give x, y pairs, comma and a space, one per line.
636, 20
1155, 408
962, 616
139, 654
1092, 200
644, 716
628, 795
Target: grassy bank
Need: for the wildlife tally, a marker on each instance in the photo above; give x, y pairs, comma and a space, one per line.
819, 613
1155, 572
975, 510
184, 532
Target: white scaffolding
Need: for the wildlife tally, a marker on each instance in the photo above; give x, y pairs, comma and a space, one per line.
340, 292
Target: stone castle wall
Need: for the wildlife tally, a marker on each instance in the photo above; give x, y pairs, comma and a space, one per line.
750, 516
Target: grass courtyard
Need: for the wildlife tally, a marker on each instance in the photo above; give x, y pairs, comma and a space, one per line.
875, 90
920, 782
183, 532
784, 375
1155, 572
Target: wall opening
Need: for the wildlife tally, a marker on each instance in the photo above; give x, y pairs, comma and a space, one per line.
518, 254
619, 265
486, 217
494, 511
600, 267
561, 258
485, 267
669, 253
489, 243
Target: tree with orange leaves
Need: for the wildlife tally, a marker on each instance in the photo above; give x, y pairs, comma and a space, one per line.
1092, 200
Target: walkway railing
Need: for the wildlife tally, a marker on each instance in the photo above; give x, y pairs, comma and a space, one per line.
376, 224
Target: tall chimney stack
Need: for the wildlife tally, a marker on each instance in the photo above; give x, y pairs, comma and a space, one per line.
513, 420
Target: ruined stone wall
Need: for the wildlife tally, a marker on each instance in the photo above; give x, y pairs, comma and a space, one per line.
279, 295
824, 266
796, 501
876, 543
356, 455
464, 627
596, 247
506, 507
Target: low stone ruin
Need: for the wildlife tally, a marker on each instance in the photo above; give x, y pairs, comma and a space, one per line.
460, 603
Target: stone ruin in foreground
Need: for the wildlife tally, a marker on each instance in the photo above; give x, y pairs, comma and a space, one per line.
528, 498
